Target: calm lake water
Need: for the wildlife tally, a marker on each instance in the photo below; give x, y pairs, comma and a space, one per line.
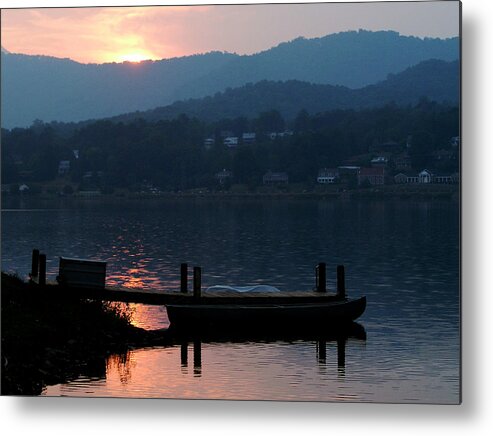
403, 255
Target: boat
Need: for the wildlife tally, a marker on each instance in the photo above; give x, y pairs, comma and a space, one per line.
265, 314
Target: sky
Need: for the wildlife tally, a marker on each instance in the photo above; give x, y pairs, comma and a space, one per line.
116, 34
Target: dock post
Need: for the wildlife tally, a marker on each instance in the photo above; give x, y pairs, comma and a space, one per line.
322, 351
35, 263
197, 281
184, 278
341, 285
341, 353
184, 353
320, 277
197, 357
42, 270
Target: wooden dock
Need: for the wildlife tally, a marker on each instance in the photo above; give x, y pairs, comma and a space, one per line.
80, 278
156, 297
217, 307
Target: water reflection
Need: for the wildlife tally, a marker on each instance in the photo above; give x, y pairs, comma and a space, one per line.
403, 255
197, 358
228, 366
321, 355
123, 364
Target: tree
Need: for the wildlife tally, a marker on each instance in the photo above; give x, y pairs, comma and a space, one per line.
422, 144
270, 121
244, 164
302, 121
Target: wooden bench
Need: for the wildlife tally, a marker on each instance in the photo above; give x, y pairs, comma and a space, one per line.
82, 273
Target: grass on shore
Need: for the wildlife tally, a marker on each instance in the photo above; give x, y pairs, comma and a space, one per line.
48, 341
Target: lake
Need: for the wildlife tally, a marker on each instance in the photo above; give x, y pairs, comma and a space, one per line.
403, 255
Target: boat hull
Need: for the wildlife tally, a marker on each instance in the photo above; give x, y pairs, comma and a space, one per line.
266, 315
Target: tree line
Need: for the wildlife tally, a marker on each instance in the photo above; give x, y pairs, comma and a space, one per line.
171, 154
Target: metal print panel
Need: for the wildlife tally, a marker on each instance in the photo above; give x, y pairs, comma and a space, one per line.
236, 202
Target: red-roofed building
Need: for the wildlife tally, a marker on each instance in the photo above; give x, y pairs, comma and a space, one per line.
375, 176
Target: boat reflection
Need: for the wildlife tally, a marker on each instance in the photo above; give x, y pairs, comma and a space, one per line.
163, 369
187, 340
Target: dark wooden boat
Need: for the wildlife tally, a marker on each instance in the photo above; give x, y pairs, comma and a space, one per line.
266, 313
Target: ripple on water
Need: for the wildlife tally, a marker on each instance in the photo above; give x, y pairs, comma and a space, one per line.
403, 256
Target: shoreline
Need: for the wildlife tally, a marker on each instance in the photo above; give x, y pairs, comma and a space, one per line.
391, 192
46, 341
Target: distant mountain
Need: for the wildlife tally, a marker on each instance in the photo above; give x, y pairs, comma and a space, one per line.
40, 87
47, 88
434, 79
352, 59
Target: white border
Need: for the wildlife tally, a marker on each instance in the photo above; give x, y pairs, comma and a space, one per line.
52, 416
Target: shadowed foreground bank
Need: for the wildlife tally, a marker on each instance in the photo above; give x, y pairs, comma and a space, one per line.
47, 340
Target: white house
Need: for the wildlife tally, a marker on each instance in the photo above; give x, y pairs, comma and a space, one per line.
231, 141
443, 179
379, 161
248, 138
425, 176
208, 143
327, 175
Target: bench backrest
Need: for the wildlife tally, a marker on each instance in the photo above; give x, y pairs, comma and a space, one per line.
82, 273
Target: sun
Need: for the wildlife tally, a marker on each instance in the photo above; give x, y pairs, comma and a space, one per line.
136, 57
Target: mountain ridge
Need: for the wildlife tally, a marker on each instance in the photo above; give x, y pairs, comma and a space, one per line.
41, 87
434, 79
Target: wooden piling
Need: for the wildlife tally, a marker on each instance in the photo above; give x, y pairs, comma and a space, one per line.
341, 282
321, 277
35, 263
197, 282
42, 270
184, 354
322, 351
341, 353
197, 358
184, 278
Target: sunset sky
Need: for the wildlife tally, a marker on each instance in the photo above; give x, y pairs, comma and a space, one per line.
97, 35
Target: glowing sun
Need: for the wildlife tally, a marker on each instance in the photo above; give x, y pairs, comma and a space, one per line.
137, 56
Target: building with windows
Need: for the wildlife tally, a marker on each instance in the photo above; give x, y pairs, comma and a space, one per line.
328, 175
374, 176
271, 178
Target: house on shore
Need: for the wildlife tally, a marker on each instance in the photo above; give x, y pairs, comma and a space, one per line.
328, 176
63, 167
426, 177
443, 178
348, 174
400, 178
374, 176
223, 176
379, 161
248, 138
272, 178
274, 135
231, 141
23, 188
209, 143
